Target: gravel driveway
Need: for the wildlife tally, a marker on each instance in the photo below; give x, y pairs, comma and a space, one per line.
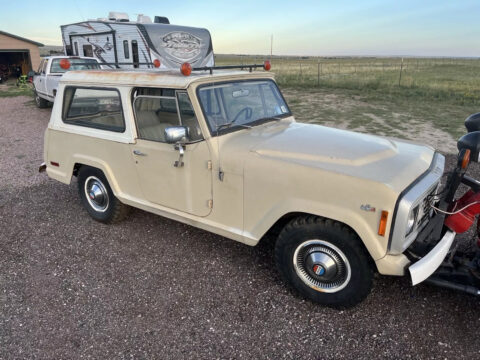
152, 288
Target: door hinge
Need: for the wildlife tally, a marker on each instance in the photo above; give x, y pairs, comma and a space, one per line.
210, 203
209, 164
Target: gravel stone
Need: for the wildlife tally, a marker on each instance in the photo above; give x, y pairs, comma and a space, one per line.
149, 287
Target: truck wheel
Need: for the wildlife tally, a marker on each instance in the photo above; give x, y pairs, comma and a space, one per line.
97, 196
324, 261
40, 102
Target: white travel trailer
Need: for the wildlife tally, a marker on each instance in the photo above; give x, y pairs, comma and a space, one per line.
122, 43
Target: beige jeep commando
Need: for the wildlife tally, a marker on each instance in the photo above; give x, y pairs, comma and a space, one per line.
220, 150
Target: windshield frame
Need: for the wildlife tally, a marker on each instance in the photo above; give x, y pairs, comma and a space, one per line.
234, 126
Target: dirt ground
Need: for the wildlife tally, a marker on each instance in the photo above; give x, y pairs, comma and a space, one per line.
149, 288
353, 113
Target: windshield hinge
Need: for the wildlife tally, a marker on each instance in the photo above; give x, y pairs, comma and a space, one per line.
210, 204
209, 164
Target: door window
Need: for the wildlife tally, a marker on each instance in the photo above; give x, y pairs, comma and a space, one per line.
188, 118
76, 47
40, 67
154, 113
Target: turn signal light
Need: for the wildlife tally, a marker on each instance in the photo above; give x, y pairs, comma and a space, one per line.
65, 64
466, 159
186, 69
382, 228
156, 63
267, 65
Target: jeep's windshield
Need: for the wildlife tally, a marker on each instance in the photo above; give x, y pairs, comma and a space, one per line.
240, 104
75, 64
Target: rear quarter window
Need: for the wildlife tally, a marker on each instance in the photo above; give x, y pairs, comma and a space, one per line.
93, 107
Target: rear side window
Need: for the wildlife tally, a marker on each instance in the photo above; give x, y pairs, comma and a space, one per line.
92, 107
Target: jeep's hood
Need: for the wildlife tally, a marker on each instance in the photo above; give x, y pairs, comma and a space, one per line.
395, 163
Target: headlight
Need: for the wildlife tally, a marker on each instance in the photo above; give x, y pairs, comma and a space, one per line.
412, 217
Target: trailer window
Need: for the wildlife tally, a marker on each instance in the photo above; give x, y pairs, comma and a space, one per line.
126, 51
88, 50
95, 108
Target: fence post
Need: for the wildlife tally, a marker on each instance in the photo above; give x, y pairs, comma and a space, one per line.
400, 77
318, 74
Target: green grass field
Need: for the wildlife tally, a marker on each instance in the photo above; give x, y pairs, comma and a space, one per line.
420, 98
9, 89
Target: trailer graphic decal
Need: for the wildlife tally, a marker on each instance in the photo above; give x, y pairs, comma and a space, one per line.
182, 45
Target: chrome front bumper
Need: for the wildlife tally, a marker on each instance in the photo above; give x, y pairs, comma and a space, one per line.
427, 265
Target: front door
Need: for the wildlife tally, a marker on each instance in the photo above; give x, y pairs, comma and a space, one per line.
186, 188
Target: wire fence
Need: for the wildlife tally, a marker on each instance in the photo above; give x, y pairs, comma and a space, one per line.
450, 76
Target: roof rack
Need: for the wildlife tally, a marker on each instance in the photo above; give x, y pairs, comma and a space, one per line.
266, 66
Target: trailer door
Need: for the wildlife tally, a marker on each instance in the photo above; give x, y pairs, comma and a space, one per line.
135, 53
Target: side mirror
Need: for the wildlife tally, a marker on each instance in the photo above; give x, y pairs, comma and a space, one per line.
470, 141
175, 134
472, 123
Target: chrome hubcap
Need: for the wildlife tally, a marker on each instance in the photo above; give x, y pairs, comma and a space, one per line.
322, 266
96, 194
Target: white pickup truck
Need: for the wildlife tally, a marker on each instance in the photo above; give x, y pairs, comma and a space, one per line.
49, 72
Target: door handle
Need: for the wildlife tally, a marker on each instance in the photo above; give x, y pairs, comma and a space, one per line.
139, 153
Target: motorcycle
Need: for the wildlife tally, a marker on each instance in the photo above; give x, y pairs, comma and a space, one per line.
460, 269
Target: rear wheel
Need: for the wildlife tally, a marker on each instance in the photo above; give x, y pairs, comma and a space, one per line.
39, 101
324, 261
97, 196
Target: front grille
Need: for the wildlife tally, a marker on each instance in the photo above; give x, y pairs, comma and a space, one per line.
425, 210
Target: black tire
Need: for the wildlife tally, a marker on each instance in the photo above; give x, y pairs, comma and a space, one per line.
310, 238
39, 101
109, 211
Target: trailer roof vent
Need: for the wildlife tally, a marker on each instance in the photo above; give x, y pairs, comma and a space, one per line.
144, 19
161, 20
118, 16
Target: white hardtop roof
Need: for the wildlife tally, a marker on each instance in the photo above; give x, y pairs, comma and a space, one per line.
156, 78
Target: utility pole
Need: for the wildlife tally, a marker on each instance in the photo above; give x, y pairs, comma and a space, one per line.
271, 47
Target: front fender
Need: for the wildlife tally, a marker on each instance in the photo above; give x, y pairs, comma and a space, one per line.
360, 223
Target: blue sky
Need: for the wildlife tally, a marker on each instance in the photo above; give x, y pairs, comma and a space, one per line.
370, 27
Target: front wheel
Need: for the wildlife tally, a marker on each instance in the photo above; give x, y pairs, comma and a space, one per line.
324, 261
97, 197
39, 101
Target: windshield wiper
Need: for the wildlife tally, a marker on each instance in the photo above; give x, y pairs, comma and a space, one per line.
227, 125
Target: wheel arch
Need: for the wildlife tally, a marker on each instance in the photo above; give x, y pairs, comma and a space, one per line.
96, 164
273, 232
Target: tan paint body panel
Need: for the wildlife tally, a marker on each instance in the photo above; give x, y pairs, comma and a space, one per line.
269, 171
